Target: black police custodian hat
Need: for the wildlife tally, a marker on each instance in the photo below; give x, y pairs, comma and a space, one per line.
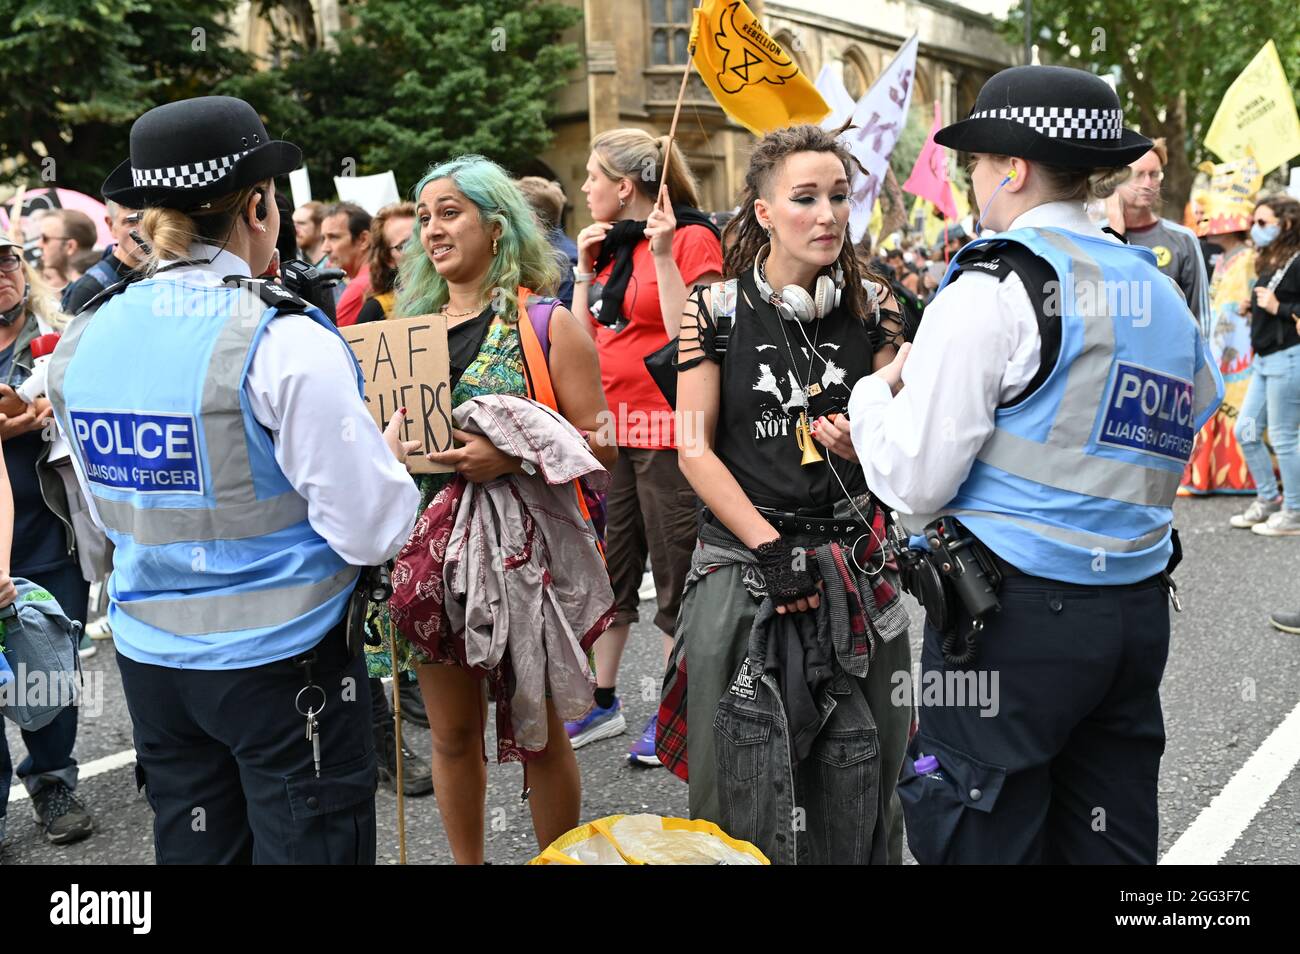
186, 153
1051, 114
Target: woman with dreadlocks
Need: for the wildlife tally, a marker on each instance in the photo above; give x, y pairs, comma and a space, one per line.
790, 622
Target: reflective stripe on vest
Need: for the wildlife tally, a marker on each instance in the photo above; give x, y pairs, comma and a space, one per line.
1064, 468
197, 616
1075, 538
163, 525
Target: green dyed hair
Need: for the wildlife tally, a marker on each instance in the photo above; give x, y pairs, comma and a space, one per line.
524, 255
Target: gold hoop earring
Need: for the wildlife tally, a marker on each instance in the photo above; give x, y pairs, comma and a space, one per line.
494, 246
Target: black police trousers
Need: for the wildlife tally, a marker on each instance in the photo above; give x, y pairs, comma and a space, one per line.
1049, 745
225, 764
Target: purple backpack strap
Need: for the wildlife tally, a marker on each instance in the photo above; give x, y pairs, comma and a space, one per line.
539, 313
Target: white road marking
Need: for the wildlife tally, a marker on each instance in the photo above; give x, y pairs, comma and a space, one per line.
1223, 821
1205, 842
98, 767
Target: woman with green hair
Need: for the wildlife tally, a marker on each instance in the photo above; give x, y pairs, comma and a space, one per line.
482, 248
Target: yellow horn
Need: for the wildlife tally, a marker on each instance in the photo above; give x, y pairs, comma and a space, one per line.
807, 444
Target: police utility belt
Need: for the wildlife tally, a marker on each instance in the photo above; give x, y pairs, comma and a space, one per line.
956, 578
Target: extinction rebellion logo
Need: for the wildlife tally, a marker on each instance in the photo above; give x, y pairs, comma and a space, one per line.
752, 56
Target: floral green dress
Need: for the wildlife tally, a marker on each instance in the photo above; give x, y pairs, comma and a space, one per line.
498, 368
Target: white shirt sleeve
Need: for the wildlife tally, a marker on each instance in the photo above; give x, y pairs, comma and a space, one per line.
302, 387
977, 347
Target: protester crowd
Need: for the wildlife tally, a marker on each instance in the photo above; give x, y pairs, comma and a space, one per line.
754, 491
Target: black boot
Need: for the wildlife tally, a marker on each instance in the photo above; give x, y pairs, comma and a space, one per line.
417, 778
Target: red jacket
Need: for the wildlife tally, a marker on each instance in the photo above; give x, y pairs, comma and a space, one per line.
354, 296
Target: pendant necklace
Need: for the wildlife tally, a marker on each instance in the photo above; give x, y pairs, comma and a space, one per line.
803, 429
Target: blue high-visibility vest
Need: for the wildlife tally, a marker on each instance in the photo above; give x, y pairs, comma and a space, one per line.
216, 565
1078, 479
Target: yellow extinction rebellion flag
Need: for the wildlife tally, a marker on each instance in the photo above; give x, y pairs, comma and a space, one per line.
752, 78
1258, 111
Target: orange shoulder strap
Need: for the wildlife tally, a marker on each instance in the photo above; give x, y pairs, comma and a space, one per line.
539, 384
539, 375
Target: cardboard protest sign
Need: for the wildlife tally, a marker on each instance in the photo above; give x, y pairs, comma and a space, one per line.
404, 363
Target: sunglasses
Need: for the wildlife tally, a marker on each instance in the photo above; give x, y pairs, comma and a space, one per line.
10, 263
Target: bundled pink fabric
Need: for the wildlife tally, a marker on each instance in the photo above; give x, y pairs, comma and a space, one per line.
416, 607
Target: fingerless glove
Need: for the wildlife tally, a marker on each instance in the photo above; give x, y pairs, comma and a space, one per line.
785, 583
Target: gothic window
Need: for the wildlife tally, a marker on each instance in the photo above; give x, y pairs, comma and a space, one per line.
670, 32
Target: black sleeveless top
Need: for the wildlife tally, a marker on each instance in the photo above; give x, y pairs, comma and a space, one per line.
755, 435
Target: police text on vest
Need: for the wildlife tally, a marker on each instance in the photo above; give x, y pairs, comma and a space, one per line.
1149, 412
144, 452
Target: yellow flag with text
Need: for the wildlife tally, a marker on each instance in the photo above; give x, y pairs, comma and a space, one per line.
753, 79
1258, 111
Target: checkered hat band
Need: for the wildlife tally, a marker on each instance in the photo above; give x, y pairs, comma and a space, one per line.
192, 176
1062, 122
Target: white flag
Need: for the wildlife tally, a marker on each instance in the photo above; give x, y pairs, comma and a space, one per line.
879, 118
837, 98
842, 106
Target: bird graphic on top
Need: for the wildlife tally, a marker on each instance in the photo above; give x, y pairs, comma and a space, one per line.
751, 55
750, 75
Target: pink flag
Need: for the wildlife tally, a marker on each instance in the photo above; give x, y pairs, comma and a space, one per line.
929, 178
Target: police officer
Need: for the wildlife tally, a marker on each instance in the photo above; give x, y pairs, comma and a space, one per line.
1048, 406
219, 428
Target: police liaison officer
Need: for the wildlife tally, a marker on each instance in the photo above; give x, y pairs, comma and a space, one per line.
1048, 406
219, 429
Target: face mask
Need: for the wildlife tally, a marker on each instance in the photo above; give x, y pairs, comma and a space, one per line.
1262, 235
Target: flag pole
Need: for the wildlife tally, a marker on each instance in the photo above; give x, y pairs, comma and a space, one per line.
397, 741
677, 110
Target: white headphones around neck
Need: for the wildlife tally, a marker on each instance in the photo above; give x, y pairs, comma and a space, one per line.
794, 303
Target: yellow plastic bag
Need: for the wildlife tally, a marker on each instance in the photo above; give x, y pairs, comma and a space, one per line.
649, 840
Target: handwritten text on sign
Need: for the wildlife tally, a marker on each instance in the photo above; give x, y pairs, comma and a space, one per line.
404, 363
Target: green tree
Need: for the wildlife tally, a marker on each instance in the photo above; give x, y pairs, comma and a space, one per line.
1173, 60
75, 75
413, 82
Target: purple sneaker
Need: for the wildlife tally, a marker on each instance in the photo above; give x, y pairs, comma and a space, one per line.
643, 749
597, 724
